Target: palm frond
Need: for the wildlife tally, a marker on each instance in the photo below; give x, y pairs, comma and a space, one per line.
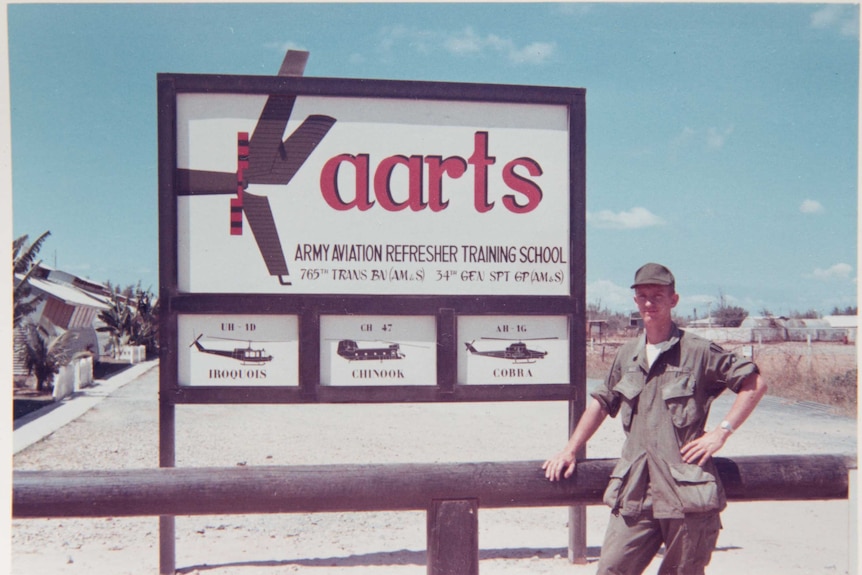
23, 257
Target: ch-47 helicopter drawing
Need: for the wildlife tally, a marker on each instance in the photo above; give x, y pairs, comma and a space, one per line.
350, 350
517, 352
246, 355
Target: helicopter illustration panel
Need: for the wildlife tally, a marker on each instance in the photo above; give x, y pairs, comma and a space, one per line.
238, 351
513, 350
378, 350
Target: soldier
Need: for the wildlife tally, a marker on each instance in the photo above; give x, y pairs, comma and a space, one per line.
665, 488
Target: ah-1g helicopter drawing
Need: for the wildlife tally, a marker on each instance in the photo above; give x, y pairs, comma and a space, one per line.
246, 355
349, 349
517, 352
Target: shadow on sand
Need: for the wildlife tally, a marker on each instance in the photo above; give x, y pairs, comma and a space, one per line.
406, 557
402, 557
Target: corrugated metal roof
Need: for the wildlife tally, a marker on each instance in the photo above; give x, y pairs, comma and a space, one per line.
842, 320
68, 294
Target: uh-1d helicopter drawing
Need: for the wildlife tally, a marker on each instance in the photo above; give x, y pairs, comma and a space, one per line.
246, 355
517, 352
349, 349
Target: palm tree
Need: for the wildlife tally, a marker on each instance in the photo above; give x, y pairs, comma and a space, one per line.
46, 354
24, 264
131, 320
118, 321
145, 323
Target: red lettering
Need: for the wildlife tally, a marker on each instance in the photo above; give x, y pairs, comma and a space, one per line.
480, 160
329, 182
383, 183
454, 167
518, 175
522, 185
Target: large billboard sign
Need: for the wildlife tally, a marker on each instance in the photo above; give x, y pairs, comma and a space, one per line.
366, 240
367, 195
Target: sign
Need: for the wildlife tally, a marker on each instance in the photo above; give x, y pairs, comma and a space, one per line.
370, 195
513, 349
378, 350
375, 235
238, 350
361, 241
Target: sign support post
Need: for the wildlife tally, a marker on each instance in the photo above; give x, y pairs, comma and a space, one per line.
368, 241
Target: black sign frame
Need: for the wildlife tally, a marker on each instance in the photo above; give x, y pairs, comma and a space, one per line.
309, 308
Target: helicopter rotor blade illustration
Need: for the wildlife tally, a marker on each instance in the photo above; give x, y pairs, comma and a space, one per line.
266, 159
196, 343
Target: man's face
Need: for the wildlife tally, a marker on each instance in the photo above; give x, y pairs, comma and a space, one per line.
655, 302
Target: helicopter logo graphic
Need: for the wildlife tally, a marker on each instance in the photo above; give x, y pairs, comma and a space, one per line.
245, 355
263, 158
350, 350
516, 352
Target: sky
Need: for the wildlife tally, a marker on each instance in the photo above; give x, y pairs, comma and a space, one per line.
722, 139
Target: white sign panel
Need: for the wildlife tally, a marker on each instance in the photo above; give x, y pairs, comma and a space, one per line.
378, 350
513, 350
238, 350
371, 195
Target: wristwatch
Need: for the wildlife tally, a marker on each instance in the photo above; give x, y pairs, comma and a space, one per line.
725, 425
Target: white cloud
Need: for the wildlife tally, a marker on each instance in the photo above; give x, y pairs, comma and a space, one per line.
684, 137
844, 19
283, 47
716, 138
811, 207
465, 42
609, 295
632, 219
840, 271
535, 53
712, 138
574, 8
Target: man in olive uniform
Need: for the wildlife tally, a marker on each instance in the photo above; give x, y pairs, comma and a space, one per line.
664, 489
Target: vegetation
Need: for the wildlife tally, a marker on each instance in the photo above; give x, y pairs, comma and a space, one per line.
820, 373
727, 315
24, 263
806, 374
810, 314
131, 321
45, 354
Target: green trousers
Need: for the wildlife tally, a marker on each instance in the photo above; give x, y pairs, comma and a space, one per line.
630, 544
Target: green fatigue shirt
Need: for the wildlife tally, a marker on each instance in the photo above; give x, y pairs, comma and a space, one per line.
662, 408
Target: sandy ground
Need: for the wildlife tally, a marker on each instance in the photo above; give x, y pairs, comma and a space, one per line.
780, 538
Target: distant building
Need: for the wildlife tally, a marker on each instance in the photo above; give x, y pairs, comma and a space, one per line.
68, 303
849, 323
597, 329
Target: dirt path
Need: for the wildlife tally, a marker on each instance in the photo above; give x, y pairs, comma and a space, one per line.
805, 538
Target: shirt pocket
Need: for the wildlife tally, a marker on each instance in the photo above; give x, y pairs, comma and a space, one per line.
629, 388
696, 488
681, 401
618, 476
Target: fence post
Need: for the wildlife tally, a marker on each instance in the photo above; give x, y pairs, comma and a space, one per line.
453, 537
853, 531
